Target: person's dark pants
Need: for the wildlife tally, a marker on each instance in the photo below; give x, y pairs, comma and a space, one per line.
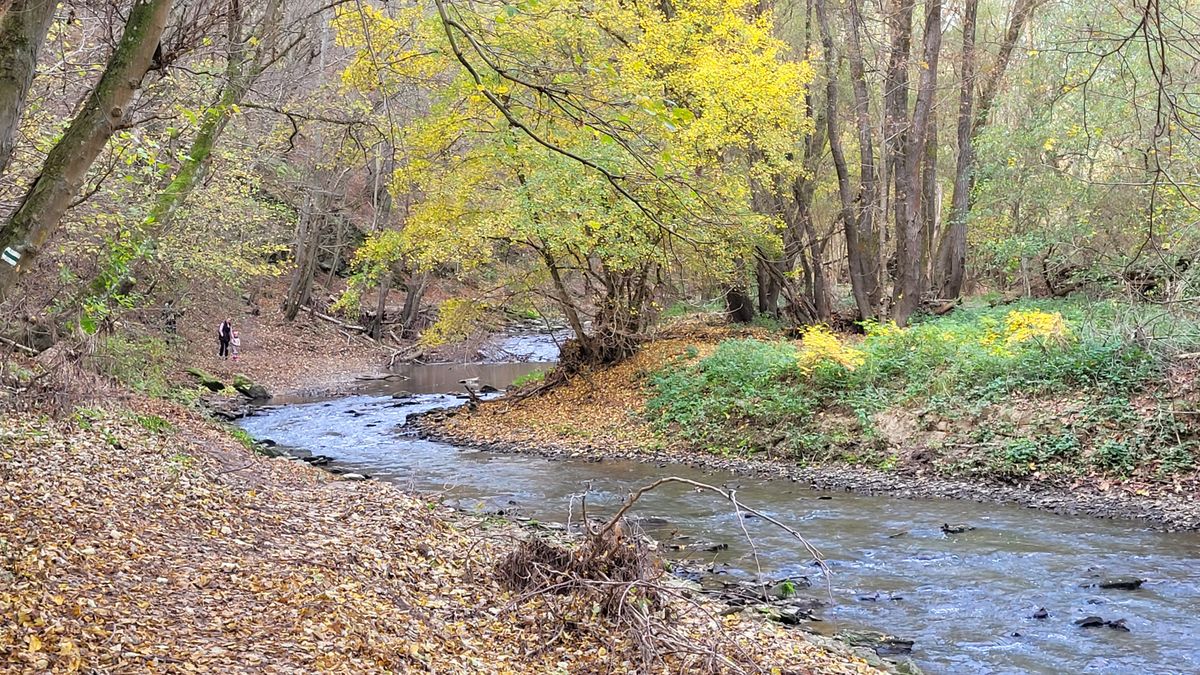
224, 348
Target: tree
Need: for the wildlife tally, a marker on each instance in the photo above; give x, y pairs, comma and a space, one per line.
64, 170
909, 252
952, 250
595, 182
23, 29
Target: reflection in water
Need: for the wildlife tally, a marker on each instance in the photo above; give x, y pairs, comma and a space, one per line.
446, 378
966, 599
526, 347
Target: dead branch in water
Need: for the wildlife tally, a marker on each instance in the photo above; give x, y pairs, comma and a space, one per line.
731, 496
613, 577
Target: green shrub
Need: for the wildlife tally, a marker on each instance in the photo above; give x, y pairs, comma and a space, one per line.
753, 394
1115, 456
742, 382
142, 364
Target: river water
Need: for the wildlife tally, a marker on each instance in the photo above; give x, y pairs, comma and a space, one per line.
966, 599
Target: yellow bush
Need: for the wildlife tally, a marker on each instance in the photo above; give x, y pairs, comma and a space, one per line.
820, 344
1035, 325
884, 329
1021, 326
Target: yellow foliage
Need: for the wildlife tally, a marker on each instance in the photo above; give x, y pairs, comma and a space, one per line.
885, 329
457, 317
1023, 326
821, 345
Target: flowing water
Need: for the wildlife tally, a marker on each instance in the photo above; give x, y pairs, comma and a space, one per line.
966, 599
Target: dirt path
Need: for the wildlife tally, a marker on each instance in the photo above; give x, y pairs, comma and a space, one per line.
305, 356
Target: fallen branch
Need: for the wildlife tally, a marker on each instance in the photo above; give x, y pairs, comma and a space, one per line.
731, 496
338, 322
407, 352
28, 350
612, 575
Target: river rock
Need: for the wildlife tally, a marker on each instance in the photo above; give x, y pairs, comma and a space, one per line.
1042, 613
652, 520
956, 528
701, 546
1121, 583
787, 588
250, 389
792, 616
1119, 624
353, 476
225, 408
206, 380
1090, 622
882, 643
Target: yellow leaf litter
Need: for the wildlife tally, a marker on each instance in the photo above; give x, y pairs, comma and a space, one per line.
125, 549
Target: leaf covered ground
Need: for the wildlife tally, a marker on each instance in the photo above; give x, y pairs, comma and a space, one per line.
601, 409
146, 539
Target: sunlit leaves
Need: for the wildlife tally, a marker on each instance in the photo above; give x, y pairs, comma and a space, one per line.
651, 123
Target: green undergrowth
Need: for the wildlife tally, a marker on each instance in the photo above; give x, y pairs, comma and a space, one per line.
1030, 389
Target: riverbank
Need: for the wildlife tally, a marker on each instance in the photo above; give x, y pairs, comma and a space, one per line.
145, 537
1068, 422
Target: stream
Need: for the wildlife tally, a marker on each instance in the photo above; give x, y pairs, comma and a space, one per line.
967, 600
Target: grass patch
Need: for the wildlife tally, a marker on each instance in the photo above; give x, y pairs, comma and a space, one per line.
242, 437
536, 376
155, 424
820, 398
142, 364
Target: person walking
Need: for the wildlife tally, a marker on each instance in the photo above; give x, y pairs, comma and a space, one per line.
235, 345
224, 336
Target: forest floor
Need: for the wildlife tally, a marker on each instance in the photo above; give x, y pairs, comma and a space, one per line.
145, 538
1075, 450
306, 356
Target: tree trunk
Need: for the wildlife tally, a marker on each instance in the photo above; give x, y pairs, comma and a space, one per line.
414, 291
864, 255
67, 164
738, 305
858, 248
308, 242
908, 239
241, 71
375, 326
23, 29
931, 203
896, 127
952, 251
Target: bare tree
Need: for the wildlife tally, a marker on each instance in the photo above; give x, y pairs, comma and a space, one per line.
952, 249
908, 288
